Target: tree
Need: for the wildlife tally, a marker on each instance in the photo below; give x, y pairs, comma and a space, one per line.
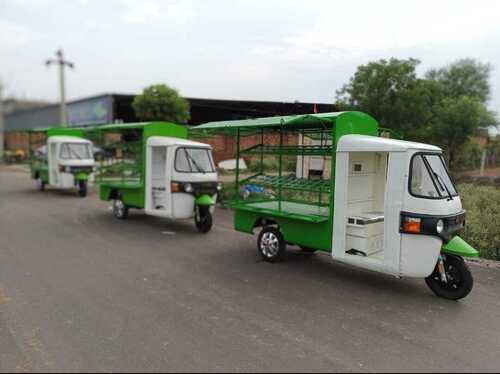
389, 91
466, 77
460, 110
161, 103
455, 121
445, 108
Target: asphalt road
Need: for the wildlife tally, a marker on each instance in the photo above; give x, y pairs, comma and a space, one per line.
82, 291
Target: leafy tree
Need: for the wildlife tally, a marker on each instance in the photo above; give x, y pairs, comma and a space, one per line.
445, 108
161, 103
461, 108
466, 77
455, 121
390, 91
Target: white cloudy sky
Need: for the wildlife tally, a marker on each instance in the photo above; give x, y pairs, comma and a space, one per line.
235, 49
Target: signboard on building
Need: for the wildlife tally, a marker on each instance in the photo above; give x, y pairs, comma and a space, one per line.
93, 111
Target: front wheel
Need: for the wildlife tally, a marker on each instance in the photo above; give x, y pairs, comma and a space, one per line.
203, 219
82, 189
459, 279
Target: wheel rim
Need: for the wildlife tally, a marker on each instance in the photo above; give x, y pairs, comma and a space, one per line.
454, 279
119, 207
269, 244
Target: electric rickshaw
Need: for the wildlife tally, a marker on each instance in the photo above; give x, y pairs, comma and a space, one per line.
381, 204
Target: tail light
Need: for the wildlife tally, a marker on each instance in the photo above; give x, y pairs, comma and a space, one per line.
412, 225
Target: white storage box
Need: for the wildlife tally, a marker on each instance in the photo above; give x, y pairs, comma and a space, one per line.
365, 233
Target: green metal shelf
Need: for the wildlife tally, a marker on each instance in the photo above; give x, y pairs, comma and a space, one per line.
295, 150
289, 183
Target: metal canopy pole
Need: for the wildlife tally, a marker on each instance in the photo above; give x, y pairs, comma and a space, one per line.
236, 186
280, 166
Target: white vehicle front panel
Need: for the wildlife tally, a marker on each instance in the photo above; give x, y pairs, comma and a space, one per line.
419, 253
179, 205
59, 178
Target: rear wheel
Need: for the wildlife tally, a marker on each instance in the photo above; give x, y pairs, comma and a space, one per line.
459, 279
82, 188
203, 219
120, 210
271, 244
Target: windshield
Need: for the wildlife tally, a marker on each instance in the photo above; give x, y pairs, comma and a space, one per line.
75, 151
194, 160
429, 177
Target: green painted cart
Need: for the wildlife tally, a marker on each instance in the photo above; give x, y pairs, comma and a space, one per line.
62, 158
153, 166
381, 204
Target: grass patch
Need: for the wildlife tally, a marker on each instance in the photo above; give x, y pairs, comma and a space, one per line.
483, 218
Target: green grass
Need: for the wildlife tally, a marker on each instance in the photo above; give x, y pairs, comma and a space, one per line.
483, 218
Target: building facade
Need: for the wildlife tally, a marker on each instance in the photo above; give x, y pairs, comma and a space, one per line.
117, 108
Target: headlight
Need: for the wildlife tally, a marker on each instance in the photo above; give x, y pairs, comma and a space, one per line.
219, 186
188, 187
440, 226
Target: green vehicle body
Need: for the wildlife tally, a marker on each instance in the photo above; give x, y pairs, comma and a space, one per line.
132, 190
205, 200
39, 169
459, 247
299, 227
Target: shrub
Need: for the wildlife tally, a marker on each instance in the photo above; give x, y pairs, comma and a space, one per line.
483, 216
483, 181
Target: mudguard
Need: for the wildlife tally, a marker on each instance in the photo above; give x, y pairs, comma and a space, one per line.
81, 177
459, 247
205, 200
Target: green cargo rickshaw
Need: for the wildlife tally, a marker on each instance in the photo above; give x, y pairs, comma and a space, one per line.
381, 204
63, 159
153, 166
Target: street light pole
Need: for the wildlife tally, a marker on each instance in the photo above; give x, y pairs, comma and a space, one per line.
62, 64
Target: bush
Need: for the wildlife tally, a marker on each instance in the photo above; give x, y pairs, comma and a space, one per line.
483, 181
483, 216
464, 179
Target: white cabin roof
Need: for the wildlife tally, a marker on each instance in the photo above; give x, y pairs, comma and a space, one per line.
168, 141
364, 143
67, 139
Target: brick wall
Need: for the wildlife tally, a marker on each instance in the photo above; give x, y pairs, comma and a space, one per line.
224, 147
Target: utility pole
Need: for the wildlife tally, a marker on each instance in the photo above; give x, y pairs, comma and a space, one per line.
62, 64
2, 125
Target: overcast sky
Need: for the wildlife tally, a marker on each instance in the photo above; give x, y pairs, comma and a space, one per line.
235, 49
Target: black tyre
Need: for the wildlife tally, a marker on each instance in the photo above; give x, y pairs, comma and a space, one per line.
203, 219
271, 244
82, 189
120, 210
307, 249
459, 278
